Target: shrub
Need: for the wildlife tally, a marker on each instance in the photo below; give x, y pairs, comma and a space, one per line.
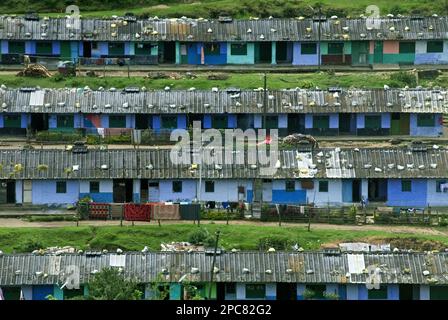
402, 79
276, 242
201, 237
59, 136
29, 246
218, 215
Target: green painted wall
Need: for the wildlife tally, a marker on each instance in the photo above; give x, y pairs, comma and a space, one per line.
323, 48
204, 292
154, 49
66, 51
58, 293
348, 47
86, 291
398, 58
239, 59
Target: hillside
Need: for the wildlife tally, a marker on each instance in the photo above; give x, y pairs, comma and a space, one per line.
214, 8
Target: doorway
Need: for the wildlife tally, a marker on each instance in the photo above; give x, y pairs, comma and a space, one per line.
283, 52
144, 191
296, 123
39, 121
377, 190
345, 123
267, 190
87, 49
122, 190
264, 52
400, 124
142, 121
153, 191
168, 52
7, 191
406, 292
356, 190
378, 52
286, 291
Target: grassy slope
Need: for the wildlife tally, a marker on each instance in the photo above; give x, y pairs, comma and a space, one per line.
239, 9
243, 81
135, 238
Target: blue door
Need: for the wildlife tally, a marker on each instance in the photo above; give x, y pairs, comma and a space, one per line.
41, 292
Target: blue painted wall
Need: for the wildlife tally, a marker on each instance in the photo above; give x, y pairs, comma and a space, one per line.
44, 192
105, 194
232, 121
434, 131
436, 198
56, 49
207, 121
218, 59
30, 47
40, 292
333, 120
303, 59
182, 121
281, 196
4, 46
417, 196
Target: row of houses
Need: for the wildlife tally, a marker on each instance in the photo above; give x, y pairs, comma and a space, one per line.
236, 276
363, 112
402, 177
295, 42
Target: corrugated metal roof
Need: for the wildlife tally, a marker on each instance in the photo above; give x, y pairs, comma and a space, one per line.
157, 164
207, 101
305, 267
407, 28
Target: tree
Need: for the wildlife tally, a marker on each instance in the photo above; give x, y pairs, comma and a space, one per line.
110, 284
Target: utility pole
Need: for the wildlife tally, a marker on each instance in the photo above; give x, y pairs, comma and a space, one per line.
212, 271
318, 37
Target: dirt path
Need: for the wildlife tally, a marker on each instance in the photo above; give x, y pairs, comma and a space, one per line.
17, 223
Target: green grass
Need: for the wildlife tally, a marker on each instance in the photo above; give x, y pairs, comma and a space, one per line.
135, 238
214, 8
243, 81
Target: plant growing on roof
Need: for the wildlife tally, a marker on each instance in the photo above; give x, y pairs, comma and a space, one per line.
68, 171
18, 168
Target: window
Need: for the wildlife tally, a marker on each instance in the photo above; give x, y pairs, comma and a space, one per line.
141, 49
212, 49
406, 186
209, 186
65, 121
336, 48
177, 186
271, 122
321, 122
308, 48
434, 46
380, 293
117, 121
290, 186
11, 121
116, 49
16, 47
94, 45
372, 122
230, 288
441, 186
407, 47
169, 122
425, 120
238, 49
44, 47
94, 187
219, 122
323, 186
61, 187
255, 291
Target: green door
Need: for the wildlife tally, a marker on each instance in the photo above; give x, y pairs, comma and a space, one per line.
378, 52
360, 52
66, 51
395, 124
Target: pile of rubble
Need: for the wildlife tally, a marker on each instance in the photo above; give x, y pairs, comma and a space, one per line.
180, 246
34, 70
56, 250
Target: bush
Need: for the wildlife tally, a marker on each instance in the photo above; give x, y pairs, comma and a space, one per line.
218, 215
276, 242
29, 246
201, 237
402, 78
53, 136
